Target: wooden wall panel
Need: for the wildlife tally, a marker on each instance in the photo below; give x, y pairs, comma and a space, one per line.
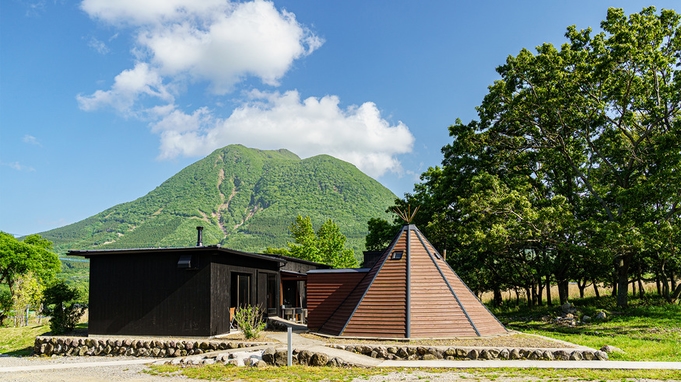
326, 292
382, 311
434, 310
148, 295
484, 320
220, 299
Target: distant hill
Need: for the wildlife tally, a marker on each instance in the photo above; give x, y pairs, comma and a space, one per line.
245, 198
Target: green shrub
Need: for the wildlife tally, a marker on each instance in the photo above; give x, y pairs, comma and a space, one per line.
63, 304
5, 304
249, 319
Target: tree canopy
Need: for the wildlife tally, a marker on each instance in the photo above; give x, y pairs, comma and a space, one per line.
32, 254
25, 267
326, 246
572, 170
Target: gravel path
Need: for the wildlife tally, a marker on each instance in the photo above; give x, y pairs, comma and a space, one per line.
81, 369
510, 340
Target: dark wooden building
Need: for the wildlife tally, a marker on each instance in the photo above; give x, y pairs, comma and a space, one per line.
409, 292
187, 291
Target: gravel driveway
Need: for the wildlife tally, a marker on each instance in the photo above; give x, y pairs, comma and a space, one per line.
84, 369
135, 372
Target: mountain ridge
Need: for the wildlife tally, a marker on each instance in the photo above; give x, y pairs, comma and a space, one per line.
244, 198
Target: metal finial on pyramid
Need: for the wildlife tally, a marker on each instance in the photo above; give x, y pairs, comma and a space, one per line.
407, 215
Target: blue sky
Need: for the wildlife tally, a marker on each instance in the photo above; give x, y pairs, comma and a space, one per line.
102, 101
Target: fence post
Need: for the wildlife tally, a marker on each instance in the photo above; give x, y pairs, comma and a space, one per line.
289, 355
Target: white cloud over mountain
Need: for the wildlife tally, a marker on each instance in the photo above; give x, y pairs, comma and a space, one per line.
307, 127
182, 43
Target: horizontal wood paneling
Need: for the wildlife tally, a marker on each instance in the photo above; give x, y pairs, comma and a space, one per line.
484, 320
382, 311
434, 310
326, 292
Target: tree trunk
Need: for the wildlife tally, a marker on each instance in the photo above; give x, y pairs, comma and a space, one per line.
676, 294
633, 287
623, 281
563, 291
598, 294
581, 284
671, 276
657, 283
548, 291
497, 297
641, 290
528, 295
540, 292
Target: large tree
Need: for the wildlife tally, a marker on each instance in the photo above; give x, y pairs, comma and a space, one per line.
18, 257
32, 255
592, 126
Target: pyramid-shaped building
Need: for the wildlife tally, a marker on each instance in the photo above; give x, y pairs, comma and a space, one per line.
410, 292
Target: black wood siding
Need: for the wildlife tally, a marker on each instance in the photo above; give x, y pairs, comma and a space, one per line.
146, 294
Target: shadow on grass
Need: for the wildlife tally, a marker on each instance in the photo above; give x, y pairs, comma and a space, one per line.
640, 311
18, 342
649, 329
25, 352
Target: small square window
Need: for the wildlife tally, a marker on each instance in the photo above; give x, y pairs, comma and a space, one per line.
397, 255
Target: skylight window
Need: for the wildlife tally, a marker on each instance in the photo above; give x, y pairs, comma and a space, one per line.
397, 255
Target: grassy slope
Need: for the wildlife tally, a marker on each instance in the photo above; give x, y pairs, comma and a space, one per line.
245, 199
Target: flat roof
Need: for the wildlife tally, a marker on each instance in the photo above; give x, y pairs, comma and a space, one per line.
301, 261
209, 248
342, 270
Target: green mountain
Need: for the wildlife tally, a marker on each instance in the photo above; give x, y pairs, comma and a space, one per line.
244, 198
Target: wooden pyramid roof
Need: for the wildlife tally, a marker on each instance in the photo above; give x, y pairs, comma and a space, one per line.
411, 292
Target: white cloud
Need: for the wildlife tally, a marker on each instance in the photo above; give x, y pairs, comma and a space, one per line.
136, 12
216, 40
357, 134
99, 46
128, 86
18, 166
31, 140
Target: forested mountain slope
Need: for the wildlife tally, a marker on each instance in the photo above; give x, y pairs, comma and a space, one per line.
245, 198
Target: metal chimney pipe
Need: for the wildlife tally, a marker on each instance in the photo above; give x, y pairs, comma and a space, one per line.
199, 239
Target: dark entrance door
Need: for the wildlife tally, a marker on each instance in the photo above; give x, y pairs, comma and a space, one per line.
241, 289
267, 293
290, 293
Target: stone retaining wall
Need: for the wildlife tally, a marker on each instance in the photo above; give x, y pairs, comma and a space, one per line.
79, 346
260, 358
433, 353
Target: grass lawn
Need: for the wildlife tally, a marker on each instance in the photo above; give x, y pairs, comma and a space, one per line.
221, 372
19, 341
649, 330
